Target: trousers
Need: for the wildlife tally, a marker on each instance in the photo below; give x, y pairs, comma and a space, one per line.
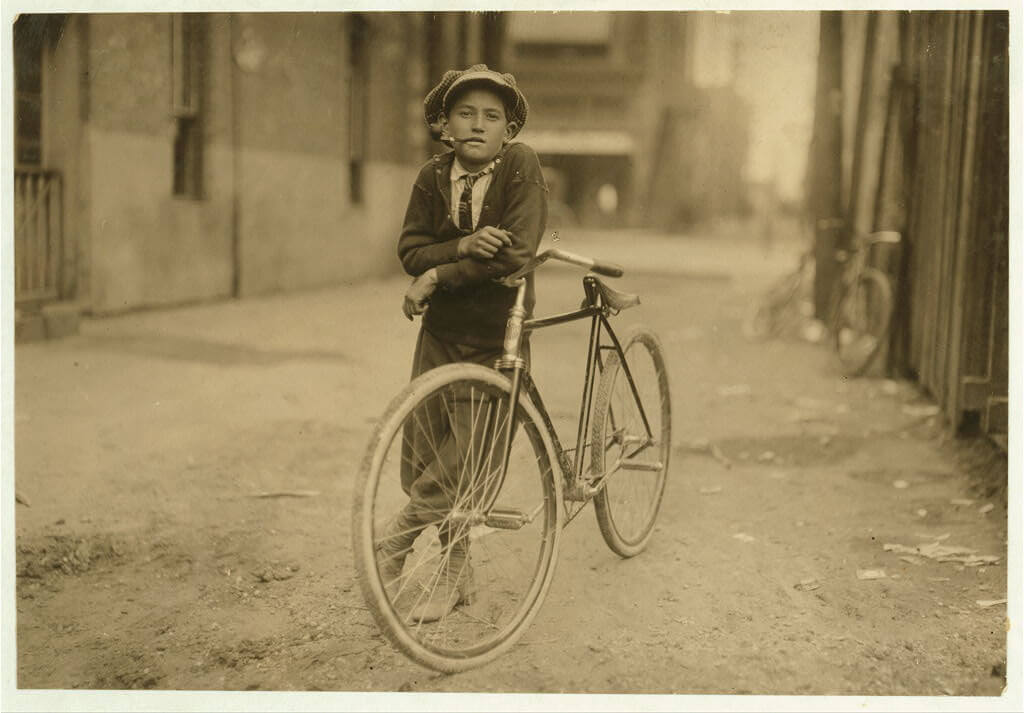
452, 447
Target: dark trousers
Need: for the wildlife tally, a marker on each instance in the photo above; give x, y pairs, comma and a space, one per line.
451, 449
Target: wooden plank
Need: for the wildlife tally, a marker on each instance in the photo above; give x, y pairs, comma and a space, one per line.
961, 282
941, 71
41, 235
856, 196
29, 266
916, 232
996, 191
53, 230
19, 233
996, 416
914, 239
938, 382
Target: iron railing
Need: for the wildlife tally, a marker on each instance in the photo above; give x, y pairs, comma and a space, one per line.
38, 235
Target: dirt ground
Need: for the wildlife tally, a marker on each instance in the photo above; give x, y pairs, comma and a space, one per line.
188, 474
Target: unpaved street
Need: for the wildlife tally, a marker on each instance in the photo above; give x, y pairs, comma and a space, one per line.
189, 476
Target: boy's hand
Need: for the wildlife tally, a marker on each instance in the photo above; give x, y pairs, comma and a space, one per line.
484, 243
418, 294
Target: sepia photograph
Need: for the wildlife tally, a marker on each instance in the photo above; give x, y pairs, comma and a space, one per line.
611, 357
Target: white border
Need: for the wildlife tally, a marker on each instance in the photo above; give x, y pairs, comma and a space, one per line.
14, 700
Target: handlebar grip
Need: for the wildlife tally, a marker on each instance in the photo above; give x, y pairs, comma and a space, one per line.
608, 269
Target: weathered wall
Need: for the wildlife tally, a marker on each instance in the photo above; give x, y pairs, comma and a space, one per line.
149, 247
64, 147
297, 224
275, 211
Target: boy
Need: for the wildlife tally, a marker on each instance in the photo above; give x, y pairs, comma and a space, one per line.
476, 213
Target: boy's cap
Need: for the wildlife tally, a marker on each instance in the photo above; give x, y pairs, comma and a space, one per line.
437, 100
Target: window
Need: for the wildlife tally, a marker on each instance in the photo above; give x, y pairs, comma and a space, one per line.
29, 31
562, 35
186, 87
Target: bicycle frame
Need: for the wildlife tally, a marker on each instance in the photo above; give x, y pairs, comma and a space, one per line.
512, 363
856, 259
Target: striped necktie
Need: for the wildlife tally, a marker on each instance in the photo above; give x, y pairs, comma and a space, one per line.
466, 201
466, 198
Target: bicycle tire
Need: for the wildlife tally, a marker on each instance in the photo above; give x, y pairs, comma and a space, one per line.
617, 419
517, 565
863, 314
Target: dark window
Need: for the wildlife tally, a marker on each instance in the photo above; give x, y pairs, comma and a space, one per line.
29, 31
188, 143
187, 42
560, 36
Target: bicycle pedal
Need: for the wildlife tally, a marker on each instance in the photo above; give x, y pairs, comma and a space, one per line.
507, 519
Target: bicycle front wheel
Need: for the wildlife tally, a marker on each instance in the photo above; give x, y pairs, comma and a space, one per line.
862, 318
631, 441
453, 560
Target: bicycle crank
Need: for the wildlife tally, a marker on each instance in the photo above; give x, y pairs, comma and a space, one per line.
497, 518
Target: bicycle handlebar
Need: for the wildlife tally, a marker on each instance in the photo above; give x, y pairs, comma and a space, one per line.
608, 269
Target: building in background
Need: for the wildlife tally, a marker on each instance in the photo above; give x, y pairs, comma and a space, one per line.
165, 159
627, 136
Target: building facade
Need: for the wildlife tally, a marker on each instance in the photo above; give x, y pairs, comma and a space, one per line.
172, 158
628, 137
213, 155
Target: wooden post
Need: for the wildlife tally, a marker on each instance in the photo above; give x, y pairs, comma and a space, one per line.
825, 166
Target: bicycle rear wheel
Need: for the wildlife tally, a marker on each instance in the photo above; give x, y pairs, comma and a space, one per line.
441, 438
862, 318
633, 464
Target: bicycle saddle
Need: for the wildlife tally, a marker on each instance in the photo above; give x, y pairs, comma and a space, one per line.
618, 301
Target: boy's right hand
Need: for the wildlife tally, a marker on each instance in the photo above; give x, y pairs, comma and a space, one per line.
484, 243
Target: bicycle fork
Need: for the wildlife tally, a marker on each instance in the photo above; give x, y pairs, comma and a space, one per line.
511, 363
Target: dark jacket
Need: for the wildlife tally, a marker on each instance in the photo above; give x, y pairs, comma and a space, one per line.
468, 306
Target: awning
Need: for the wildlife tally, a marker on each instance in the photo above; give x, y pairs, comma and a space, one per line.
579, 142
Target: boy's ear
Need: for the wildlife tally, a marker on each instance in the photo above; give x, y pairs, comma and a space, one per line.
510, 130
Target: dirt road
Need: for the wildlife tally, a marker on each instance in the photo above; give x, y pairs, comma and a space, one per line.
189, 475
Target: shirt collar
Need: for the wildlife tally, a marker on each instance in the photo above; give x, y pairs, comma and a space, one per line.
458, 171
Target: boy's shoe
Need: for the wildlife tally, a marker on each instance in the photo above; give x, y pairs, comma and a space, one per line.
392, 549
455, 586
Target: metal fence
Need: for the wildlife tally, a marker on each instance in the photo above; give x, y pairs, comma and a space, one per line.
38, 235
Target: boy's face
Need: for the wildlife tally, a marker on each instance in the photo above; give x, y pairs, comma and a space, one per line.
478, 127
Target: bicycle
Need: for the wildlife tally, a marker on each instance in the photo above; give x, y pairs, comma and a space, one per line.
516, 487
862, 306
785, 306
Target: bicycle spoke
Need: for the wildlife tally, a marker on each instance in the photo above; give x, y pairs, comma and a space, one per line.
633, 458
456, 437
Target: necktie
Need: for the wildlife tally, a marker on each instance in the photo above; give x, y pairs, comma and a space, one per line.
466, 201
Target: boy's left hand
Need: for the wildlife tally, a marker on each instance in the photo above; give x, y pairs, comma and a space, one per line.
418, 295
